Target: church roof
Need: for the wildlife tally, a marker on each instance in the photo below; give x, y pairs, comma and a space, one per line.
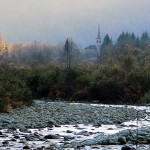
91, 47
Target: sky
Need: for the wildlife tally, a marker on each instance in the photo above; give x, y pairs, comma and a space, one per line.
53, 21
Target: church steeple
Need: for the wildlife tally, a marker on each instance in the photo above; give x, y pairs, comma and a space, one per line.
98, 35
98, 40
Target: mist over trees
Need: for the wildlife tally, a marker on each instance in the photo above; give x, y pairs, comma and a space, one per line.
45, 53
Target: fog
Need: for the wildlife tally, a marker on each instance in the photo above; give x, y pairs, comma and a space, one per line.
55, 20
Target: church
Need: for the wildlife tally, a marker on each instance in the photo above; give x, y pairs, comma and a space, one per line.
93, 51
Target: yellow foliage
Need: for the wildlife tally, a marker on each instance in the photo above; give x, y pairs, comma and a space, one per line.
3, 48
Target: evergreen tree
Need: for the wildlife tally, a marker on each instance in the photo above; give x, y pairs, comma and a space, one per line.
107, 41
121, 37
137, 43
145, 39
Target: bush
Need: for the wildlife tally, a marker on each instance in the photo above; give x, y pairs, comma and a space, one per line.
146, 98
14, 92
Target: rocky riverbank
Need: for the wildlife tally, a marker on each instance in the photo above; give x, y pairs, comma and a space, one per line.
44, 114
60, 125
121, 138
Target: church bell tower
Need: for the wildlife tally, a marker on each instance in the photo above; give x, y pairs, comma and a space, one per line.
98, 41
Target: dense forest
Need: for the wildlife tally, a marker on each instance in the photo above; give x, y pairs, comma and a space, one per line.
119, 75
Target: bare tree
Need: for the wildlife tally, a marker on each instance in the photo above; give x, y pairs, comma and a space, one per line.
71, 53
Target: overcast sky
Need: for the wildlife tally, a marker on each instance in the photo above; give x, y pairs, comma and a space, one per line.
55, 20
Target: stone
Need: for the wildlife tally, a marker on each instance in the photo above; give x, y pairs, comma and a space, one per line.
1, 133
16, 137
51, 136
148, 141
80, 128
26, 147
24, 130
123, 125
52, 123
12, 128
148, 105
68, 131
82, 132
126, 147
105, 141
29, 138
110, 129
6, 121
122, 140
91, 133
118, 121
132, 125
51, 148
97, 124
68, 138
13, 140
5, 143
56, 125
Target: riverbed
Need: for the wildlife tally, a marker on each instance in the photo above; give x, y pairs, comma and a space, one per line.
62, 125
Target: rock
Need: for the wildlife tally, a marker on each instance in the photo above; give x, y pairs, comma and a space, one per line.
97, 124
126, 147
148, 104
80, 128
68, 138
4, 125
12, 128
105, 141
110, 129
24, 130
82, 132
51, 136
118, 121
1, 133
5, 143
132, 125
56, 125
36, 134
13, 140
49, 125
16, 137
29, 125
22, 141
26, 147
123, 125
122, 140
68, 131
6, 121
51, 148
29, 138
52, 123
91, 133
148, 141
42, 148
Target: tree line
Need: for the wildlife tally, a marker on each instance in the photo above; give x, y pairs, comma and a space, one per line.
122, 76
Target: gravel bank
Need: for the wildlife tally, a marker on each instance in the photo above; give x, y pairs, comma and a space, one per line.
63, 121
44, 114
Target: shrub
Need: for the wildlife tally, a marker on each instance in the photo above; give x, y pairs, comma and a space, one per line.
14, 91
146, 98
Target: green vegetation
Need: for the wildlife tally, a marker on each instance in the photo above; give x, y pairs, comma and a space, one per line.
121, 76
106, 84
14, 91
